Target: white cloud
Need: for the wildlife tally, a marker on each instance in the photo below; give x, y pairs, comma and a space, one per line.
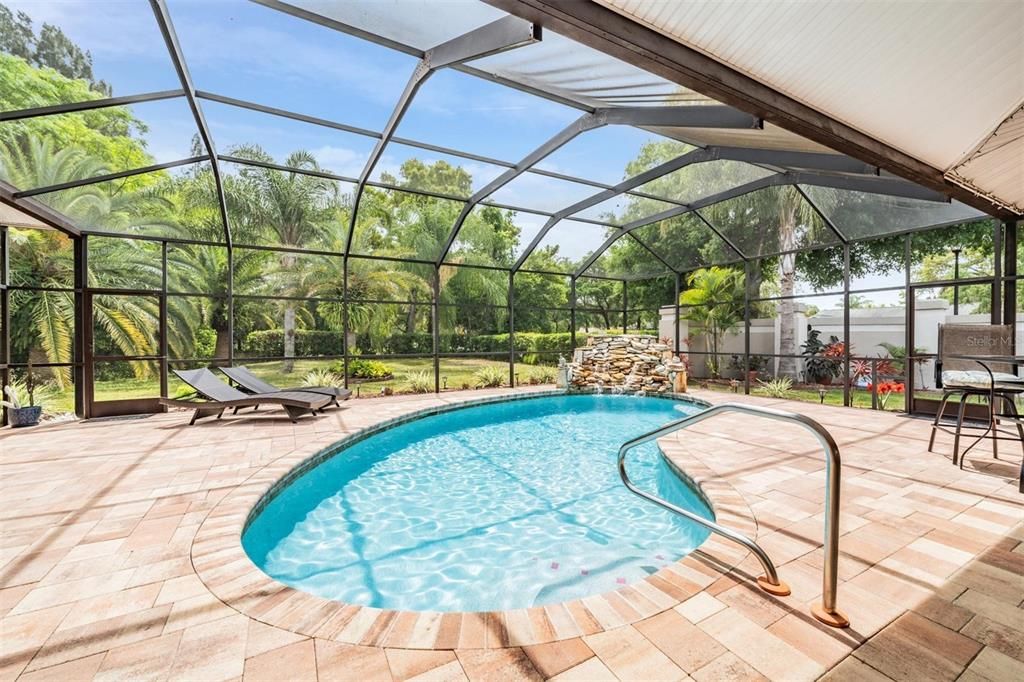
340, 160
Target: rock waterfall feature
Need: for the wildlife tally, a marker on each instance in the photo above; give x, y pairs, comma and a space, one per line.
624, 363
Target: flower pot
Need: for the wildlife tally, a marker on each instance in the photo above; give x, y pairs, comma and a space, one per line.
823, 381
24, 416
752, 376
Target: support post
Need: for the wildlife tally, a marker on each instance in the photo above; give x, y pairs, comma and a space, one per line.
746, 328
231, 306
163, 319
676, 341
345, 350
435, 332
511, 329
908, 329
5, 319
83, 331
1010, 247
997, 265
846, 325
572, 315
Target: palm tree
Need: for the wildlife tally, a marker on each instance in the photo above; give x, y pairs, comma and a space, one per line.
45, 258
776, 219
296, 211
371, 280
204, 269
793, 211
716, 297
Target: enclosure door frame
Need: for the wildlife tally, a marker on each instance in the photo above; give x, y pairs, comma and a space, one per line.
94, 408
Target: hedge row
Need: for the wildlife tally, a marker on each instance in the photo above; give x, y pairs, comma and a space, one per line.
525, 342
270, 343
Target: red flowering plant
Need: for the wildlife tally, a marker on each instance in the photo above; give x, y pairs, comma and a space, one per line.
860, 368
886, 389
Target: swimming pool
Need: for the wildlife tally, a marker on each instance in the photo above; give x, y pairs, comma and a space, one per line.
497, 506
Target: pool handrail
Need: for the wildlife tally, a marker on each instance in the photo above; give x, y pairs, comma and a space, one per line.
827, 611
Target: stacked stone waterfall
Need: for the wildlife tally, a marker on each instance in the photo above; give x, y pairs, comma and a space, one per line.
634, 363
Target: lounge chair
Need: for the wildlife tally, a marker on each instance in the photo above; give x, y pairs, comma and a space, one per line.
220, 396
250, 383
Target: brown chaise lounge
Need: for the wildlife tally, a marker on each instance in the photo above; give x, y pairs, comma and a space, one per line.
250, 383
220, 396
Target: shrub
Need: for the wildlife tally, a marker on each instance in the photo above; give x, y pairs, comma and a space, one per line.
490, 376
780, 387
269, 343
323, 377
545, 374
421, 382
398, 344
183, 391
423, 343
365, 369
205, 343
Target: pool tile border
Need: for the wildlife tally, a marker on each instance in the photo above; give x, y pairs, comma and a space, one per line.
226, 570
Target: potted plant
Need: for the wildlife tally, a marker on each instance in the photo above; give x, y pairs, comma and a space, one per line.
19, 414
822, 361
753, 367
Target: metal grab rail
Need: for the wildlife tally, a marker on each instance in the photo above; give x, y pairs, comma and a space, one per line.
826, 612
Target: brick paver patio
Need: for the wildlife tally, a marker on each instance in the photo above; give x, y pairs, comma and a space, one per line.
109, 564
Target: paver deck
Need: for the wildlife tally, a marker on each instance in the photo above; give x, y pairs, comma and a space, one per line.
109, 566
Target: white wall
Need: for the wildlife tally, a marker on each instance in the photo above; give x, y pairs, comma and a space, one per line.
868, 328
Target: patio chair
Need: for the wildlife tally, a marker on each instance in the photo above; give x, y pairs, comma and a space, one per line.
219, 396
250, 383
966, 379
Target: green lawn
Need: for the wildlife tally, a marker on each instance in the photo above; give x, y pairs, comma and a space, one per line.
833, 395
861, 398
457, 371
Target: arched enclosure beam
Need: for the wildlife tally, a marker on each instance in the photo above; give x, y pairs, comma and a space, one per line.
695, 156
712, 116
562, 137
782, 159
721, 235
770, 181
89, 105
163, 20
107, 177
498, 36
654, 253
888, 185
821, 214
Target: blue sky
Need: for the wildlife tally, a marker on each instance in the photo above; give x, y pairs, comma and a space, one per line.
242, 50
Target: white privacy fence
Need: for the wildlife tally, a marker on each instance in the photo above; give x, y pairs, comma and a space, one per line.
869, 329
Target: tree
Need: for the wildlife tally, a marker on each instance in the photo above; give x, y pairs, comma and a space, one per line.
714, 300
973, 262
296, 211
50, 49
16, 34
536, 294
601, 296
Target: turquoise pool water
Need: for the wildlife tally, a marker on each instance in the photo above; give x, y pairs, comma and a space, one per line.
498, 506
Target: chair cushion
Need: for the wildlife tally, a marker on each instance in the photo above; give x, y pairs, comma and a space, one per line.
978, 378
